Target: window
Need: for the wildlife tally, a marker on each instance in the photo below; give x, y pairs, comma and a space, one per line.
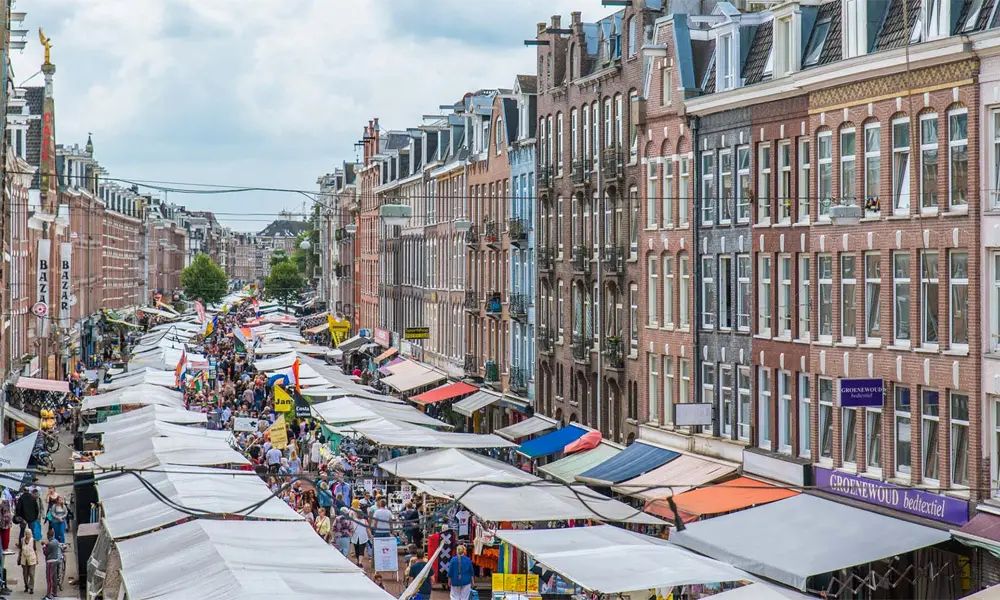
873, 438
668, 192
607, 124
574, 140
873, 293
959, 439
804, 427
743, 409
901, 166
826, 418
559, 223
848, 299
848, 172
958, 159
929, 298
855, 40
958, 282
787, 56
928, 162
785, 412
902, 447
668, 389
707, 188
849, 434
873, 167
652, 179
743, 189
785, 296
824, 176
935, 19
824, 275
633, 221
725, 187
560, 299
764, 295
685, 290
725, 292
619, 114
666, 95
574, 224
726, 77
994, 303
652, 290
744, 297
684, 192
815, 47
994, 181
684, 365
668, 291
708, 382
632, 38
595, 124
726, 400
499, 136
764, 407
803, 181
764, 184
654, 386
785, 182
804, 294
929, 422
633, 295
901, 298
586, 133
707, 292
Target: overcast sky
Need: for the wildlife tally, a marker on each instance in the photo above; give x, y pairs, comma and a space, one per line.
265, 93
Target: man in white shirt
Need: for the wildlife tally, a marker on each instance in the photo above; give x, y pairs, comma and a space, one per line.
273, 460
382, 520
314, 457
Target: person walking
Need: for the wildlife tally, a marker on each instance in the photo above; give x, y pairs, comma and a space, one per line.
359, 535
460, 573
323, 525
382, 520
417, 565
27, 557
53, 562
58, 513
342, 531
29, 509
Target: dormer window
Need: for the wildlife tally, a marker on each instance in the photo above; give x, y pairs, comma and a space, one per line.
855, 28
725, 71
633, 40
783, 52
815, 48
499, 136
933, 22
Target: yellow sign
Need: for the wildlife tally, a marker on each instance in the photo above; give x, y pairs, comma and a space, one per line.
532, 585
498, 582
336, 326
416, 333
514, 582
282, 400
278, 434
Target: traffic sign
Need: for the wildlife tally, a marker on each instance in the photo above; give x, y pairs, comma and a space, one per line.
40, 309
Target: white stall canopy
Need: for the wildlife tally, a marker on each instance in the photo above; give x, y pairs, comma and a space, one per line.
353, 409
408, 435
149, 453
163, 414
454, 464
142, 395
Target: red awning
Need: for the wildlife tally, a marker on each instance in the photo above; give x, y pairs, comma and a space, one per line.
45, 385
445, 392
387, 354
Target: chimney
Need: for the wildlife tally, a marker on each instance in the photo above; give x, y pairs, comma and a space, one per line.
575, 17
540, 29
556, 21
377, 137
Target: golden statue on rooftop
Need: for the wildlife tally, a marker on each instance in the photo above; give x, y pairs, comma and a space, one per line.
47, 44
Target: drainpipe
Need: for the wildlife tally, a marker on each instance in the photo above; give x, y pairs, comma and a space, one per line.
598, 235
695, 230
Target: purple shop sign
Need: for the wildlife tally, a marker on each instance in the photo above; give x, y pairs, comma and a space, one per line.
908, 500
861, 392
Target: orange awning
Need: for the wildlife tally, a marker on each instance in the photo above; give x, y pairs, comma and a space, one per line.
387, 354
445, 392
727, 497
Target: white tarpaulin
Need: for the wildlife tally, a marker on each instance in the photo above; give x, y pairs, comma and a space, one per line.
273, 348
766, 591
158, 377
143, 394
181, 450
165, 414
130, 508
149, 310
351, 409
126, 433
240, 560
15, 456
612, 560
454, 464
408, 435
282, 361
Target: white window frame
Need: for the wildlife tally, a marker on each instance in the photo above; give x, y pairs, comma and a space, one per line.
926, 282
725, 292
993, 185
848, 435
684, 191
804, 426
953, 146
707, 383
726, 388
666, 90
901, 200
957, 423
785, 296
824, 174
652, 181
994, 302
668, 291
653, 361
902, 423
684, 391
684, 270
595, 125
744, 291
784, 193
826, 407
652, 290
848, 167
764, 395
873, 161
708, 192
785, 405
707, 291
585, 125
765, 278
574, 132
744, 184
725, 76
633, 294
668, 389
725, 190
873, 467
763, 198
667, 177
926, 418
744, 399
561, 308
957, 284
804, 169
848, 298
824, 280
804, 299
929, 122
873, 298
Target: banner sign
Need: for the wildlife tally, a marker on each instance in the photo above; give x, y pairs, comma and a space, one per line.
908, 500
416, 333
14, 456
302, 406
282, 400
861, 392
383, 337
65, 283
279, 434
246, 424
43, 281
386, 554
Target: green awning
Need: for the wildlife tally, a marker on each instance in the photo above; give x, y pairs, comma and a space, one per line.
566, 469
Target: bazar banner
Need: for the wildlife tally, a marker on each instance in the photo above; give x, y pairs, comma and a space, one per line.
861, 392
282, 400
246, 424
908, 500
278, 434
518, 583
386, 553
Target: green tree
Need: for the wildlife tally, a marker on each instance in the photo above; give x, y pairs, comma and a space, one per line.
284, 283
278, 256
204, 280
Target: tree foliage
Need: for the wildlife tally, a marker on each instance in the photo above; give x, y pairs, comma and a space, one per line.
284, 283
204, 280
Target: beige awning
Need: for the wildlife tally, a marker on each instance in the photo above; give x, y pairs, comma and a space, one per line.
687, 471
19, 415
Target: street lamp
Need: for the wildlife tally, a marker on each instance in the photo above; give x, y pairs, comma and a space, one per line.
351, 228
305, 245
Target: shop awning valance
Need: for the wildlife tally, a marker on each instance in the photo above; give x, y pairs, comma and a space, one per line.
351, 343
22, 417
551, 442
635, 460
529, 426
406, 382
478, 401
567, 468
805, 536
454, 465
387, 354
662, 482
738, 494
44, 385
983, 531
445, 392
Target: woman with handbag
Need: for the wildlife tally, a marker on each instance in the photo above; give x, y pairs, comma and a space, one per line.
323, 525
28, 558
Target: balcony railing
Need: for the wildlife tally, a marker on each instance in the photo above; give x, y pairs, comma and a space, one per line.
581, 260
494, 304
581, 171
545, 175
546, 341
471, 366
517, 379
491, 233
613, 260
611, 163
471, 301
472, 236
492, 372
546, 259
614, 353
518, 306
517, 229
581, 349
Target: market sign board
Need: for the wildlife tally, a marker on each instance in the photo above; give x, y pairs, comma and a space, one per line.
416, 333
861, 392
908, 500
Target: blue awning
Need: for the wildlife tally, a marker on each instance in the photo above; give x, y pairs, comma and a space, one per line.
633, 461
550, 443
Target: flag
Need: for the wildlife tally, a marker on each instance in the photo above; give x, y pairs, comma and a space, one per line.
295, 373
200, 309
209, 327
282, 399
179, 371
